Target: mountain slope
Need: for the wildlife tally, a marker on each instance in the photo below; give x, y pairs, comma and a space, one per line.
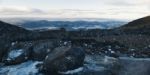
11, 32
142, 23
7, 28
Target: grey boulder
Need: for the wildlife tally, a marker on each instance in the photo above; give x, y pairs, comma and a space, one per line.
63, 59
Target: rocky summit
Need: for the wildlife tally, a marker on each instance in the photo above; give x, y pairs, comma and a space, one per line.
124, 50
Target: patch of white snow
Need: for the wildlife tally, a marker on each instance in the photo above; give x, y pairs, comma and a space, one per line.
15, 53
27, 68
72, 71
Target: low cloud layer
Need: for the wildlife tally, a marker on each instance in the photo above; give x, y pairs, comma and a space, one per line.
118, 9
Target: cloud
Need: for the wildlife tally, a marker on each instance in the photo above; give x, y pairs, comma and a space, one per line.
13, 10
118, 9
127, 2
73, 13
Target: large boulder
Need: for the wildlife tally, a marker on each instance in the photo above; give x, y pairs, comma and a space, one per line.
18, 53
16, 56
41, 49
63, 59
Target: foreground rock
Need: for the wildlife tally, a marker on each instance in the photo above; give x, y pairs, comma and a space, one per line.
93, 65
41, 49
63, 59
18, 53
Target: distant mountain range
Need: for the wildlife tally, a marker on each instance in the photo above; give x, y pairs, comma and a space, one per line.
71, 25
68, 24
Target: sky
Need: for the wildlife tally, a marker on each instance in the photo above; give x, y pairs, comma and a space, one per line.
112, 9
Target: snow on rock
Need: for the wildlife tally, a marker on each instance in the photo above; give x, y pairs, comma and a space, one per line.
15, 53
109, 60
65, 43
26, 68
94, 67
16, 56
72, 71
13, 43
109, 49
112, 52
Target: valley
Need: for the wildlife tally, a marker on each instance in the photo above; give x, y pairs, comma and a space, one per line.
63, 51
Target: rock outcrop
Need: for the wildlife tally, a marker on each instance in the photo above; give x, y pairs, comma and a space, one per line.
63, 59
17, 53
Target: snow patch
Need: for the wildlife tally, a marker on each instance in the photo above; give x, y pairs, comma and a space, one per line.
112, 52
65, 43
15, 53
13, 43
27, 68
72, 71
95, 67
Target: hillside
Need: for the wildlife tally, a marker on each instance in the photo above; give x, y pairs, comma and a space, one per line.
142, 23
11, 30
